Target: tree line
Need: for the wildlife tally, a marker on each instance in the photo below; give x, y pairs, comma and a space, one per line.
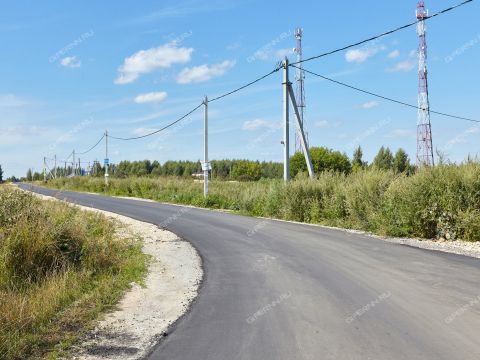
323, 159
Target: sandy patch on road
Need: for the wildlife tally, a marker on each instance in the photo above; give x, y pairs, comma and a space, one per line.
145, 313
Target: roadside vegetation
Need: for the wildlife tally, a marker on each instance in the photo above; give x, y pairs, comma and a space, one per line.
388, 197
59, 268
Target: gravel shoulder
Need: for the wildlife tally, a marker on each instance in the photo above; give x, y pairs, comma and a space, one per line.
146, 312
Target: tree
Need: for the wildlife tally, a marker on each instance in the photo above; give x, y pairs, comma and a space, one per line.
29, 175
357, 161
401, 162
1, 174
384, 159
323, 159
245, 170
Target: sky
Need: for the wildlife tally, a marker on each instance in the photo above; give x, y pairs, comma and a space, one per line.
70, 70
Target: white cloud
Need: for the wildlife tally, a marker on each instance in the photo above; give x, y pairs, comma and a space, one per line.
146, 61
71, 62
152, 97
204, 72
361, 55
370, 104
403, 66
142, 131
281, 53
401, 133
10, 100
462, 138
251, 125
322, 124
394, 54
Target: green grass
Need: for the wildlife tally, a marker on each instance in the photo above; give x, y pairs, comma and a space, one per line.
435, 202
59, 269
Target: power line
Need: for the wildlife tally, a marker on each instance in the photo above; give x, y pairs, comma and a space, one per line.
159, 130
278, 67
246, 85
93, 147
383, 34
385, 97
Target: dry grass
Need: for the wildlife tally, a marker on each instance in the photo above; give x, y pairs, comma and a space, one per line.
59, 268
440, 202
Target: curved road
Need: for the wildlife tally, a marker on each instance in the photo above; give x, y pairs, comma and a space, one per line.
278, 290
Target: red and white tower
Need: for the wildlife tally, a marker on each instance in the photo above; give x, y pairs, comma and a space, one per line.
300, 90
424, 129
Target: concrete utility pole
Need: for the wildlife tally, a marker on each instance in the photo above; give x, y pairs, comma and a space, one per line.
286, 129
206, 164
301, 133
73, 164
55, 171
288, 93
106, 157
44, 170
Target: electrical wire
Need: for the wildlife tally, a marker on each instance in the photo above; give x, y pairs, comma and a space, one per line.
278, 67
383, 34
385, 97
246, 85
159, 130
93, 147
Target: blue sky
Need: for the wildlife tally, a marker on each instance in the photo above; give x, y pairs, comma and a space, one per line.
70, 69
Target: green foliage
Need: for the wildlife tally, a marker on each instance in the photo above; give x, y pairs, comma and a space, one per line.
323, 159
1, 174
384, 159
357, 161
401, 163
59, 268
245, 170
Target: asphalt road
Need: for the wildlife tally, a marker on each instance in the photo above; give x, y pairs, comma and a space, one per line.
277, 290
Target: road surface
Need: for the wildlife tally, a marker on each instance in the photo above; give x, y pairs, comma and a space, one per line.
277, 290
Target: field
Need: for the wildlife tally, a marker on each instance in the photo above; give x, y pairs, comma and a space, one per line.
59, 268
440, 202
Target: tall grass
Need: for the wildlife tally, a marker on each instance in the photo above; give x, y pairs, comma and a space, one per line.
59, 267
435, 202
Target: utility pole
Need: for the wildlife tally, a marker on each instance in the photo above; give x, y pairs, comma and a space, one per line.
286, 129
301, 134
44, 170
73, 164
65, 170
206, 165
290, 96
106, 158
79, 167
55, 171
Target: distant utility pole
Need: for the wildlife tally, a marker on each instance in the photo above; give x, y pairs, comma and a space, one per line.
107, 161
44, 169
79, 167
206, 164
73, 164
55, 171
288, 94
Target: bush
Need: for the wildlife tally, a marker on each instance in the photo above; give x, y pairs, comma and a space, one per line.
434, 202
